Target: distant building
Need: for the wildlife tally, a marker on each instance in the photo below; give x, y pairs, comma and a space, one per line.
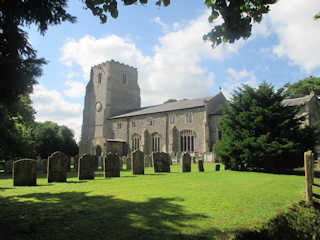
309, 109
113, 114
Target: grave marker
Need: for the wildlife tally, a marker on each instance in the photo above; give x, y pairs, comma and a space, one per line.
111, 165
186, 163
137, 162
57, 167
25, 172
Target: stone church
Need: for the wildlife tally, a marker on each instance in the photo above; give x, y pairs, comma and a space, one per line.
114, 119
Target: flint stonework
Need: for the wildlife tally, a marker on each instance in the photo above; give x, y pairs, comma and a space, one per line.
186, 163
200, 166
137, 162
86, 167
148, 161
57, 167
161, 162
111, 165
25, 172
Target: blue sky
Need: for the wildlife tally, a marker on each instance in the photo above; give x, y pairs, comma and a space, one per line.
173, 61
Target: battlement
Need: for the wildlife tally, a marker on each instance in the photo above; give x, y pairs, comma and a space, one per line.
114, 62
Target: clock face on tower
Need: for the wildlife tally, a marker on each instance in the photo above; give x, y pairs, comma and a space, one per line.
98, 106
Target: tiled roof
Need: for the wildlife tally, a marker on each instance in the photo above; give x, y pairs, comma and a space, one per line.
297, 101
166, 107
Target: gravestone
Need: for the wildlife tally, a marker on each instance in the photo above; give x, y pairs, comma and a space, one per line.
200, 166
128, 162
137, 162
25, 172
111, 165
96, 162
86, 167
217, 167
57, 167
161, 162
147, 161
186, 163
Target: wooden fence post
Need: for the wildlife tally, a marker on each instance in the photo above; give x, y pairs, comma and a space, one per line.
308, 156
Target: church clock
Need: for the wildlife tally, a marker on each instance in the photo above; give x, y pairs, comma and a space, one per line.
98, 106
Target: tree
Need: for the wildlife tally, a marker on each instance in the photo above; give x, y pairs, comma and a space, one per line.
170, 100
15, 125
49, 137
303, 87
259, 133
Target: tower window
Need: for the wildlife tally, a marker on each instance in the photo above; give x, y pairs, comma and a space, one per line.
119, 125
150, 123
189, 117
187, 141
156, 143
99, 78
124, 79
172, 118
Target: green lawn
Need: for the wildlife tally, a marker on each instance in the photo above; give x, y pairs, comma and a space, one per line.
172, 205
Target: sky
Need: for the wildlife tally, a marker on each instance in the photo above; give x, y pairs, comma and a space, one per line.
165, 44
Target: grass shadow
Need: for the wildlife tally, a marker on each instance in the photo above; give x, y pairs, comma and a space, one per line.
77, 215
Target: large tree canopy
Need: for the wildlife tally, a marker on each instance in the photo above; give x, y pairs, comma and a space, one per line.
303, 87
259, 133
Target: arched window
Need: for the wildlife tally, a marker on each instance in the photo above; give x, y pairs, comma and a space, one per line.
155, 142
135, 142
187, 141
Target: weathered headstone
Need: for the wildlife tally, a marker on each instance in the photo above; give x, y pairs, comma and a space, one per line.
128, 162
200, 166
161, 162
186, 163
96, 162
137, 162
25, 172
111, 165
147, 160
56, 172
217, 167
86, 167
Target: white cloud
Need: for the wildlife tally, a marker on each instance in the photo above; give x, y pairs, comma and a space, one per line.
236, 79
76, 90
299, 34
50, 106
173, 71
162, 24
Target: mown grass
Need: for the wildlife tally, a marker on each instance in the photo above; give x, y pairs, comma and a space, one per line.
172, 205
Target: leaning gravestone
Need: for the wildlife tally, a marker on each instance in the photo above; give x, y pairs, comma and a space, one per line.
111, 165
200, 166
137, 162
86, 167
186, 163
25, 172
161, 162
57, 167
147, 161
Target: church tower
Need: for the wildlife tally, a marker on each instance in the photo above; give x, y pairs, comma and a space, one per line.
113, 89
